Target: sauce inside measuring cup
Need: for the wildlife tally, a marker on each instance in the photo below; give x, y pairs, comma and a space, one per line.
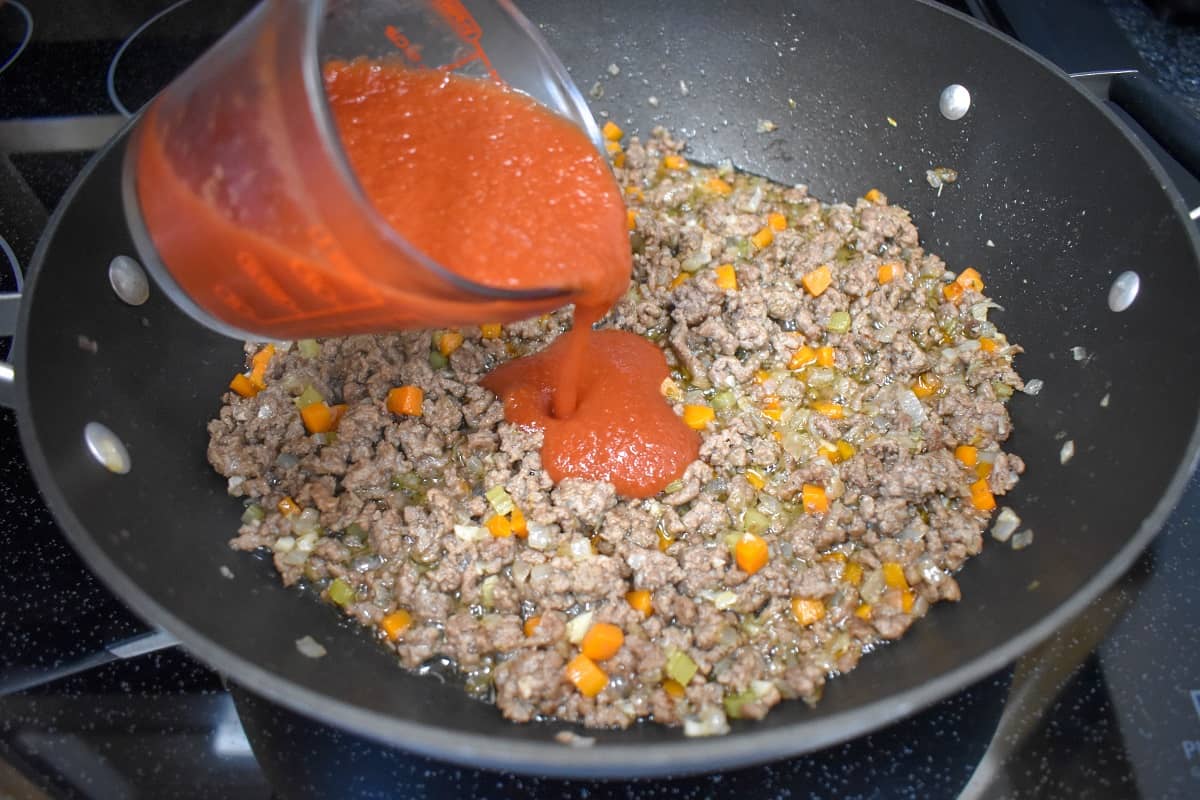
506, 193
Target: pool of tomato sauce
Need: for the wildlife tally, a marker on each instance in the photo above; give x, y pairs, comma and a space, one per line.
505, 193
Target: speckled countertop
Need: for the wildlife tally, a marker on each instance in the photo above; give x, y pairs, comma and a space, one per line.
1171, 50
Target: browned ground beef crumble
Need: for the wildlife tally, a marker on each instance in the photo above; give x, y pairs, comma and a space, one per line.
394, 507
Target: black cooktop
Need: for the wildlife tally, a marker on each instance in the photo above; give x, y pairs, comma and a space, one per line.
1109, 707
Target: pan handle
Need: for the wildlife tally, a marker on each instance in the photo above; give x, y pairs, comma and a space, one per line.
9, 303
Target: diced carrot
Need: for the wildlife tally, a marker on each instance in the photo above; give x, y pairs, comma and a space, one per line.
243, 386
287, 506
802, 358
818, 280
987, 344
831, 410
612, 147
499, 526
318, 417
490, 330
396, 623
258, 366
970, 278
906, 601
762, 375
516, 521
893, 575
698, 417
888, 272
679, 279
845, 449
618, 160
834, 555
967, 454
727, 277
776, 221
777, 436
814, 499
807, 610
674, 161
763, 238
588, 678
873, 196
635, 192
631, 218
640, 600
751, 553
981, 495
449, 342
756, 479
612, 132
718, 186
863, 611
830, 451
775, 414
825, 356
530, 625
926, 385
852, 573
983, 469
953, 292
602, 641
406, 400
674, 688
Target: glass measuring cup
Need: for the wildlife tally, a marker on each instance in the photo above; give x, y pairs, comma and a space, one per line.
243, 204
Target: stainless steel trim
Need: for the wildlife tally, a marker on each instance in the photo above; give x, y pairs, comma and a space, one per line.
58, 134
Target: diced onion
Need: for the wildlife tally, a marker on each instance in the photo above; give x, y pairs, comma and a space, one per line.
581, 549
1022, 540
709, 722
578, 626
310, 647
284, 544
1079, 353
1033, 387
1006, 524
724, 600
471, 533
521, 570
487, 590
911, 405
1067, 452
541, 537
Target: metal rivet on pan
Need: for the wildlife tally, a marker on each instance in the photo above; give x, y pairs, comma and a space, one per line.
129, 280
1124, 290
955, 101
108, 450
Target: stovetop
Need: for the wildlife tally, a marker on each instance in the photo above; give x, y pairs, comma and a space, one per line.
1109, 707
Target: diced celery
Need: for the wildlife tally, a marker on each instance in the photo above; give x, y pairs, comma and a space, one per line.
734, 702
437, 360
755, 521
502, 502
253, 513
680, 667
723, 400
340, 592
308, 397
839, 322
309, 348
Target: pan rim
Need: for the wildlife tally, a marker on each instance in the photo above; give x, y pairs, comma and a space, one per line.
663, 759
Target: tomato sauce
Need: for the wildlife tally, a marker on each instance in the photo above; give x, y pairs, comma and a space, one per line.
507, 194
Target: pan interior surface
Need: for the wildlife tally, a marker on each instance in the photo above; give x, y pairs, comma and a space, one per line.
1052, 203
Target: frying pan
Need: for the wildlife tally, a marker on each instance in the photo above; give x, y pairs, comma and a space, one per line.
1054, 201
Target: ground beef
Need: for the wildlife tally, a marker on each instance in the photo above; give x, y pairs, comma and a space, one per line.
886, 391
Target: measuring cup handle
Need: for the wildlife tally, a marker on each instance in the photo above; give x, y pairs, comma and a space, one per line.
9, 304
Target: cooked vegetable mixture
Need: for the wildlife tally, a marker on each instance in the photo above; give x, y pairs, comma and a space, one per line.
850, 392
